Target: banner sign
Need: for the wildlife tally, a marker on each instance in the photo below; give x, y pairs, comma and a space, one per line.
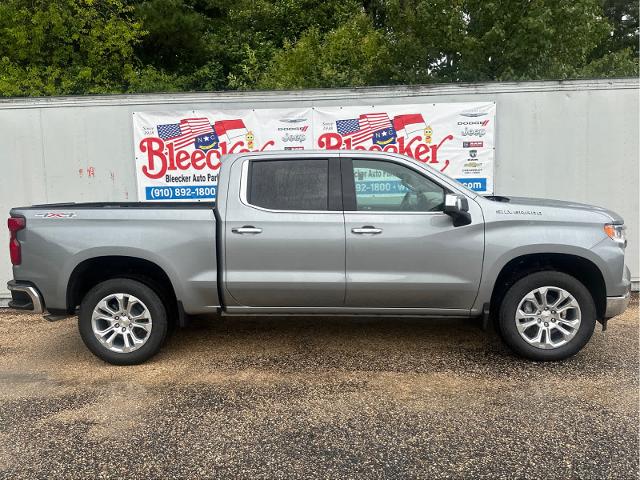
178, 153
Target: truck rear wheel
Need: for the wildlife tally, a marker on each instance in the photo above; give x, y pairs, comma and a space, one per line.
547, 316
122, 321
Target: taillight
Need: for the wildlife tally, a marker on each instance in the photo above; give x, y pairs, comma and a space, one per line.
15, 224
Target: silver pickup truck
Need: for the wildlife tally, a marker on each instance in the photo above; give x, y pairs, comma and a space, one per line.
323, 233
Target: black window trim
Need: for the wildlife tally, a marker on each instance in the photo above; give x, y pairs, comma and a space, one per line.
348, 185
334, 184
349, 188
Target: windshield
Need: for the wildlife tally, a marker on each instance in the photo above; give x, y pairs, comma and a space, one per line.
462, 186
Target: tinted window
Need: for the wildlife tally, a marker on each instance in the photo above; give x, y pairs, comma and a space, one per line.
387, 186
289, 184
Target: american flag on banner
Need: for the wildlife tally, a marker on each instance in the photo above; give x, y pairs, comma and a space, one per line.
185, 132
361, 129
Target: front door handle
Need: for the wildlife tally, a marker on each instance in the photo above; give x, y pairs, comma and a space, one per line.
247, 229
367, 229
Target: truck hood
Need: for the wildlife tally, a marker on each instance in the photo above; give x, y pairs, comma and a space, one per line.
526, 202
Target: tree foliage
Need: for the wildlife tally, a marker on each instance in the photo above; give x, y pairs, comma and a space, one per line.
354, 54
521, 40
59, 47
54, 47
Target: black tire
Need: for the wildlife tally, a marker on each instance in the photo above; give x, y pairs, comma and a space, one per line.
507, 325
153, 303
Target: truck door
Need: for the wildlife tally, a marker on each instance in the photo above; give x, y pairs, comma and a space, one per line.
284, 233
402, 250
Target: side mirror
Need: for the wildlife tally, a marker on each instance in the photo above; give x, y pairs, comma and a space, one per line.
457, 207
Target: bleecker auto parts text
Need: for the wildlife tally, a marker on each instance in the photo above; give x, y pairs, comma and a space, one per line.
190, 178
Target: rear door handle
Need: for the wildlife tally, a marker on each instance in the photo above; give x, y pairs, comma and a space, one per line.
247, 229
367, 229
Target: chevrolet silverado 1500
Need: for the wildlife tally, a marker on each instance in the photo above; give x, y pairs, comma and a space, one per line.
330, 232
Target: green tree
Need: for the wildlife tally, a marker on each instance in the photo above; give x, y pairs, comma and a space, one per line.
59, 47
176, 35
425, 38
617, 54
485, 40
354, 54
219, 44
53, 47
180, 45
532, 39
258, 30
623, 17
423, 41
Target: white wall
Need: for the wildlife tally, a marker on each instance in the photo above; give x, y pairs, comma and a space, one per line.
573, 140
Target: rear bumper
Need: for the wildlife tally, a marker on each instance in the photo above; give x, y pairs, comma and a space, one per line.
25, 296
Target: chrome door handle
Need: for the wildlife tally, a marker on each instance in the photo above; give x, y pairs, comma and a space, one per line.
247, 229
366, 229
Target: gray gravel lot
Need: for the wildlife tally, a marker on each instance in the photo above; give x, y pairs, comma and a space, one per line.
317, 397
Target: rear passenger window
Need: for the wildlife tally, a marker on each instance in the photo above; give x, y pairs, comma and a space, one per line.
289, 184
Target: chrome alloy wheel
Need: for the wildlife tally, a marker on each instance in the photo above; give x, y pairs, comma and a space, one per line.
121, 322
548, 317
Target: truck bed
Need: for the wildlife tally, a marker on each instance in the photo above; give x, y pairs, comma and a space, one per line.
62, 239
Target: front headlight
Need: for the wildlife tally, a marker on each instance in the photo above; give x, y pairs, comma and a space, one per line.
616, 233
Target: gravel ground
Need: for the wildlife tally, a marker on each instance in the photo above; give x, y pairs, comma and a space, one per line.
317, 397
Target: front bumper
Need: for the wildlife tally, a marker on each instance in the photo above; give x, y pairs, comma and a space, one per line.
617, 305
25, 296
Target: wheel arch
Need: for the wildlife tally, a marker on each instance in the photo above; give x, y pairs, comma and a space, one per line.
583, 269
92, 271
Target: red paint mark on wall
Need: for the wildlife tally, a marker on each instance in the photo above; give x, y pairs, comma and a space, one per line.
91, 172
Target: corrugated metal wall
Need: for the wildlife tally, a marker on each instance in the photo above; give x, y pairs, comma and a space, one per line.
573, 140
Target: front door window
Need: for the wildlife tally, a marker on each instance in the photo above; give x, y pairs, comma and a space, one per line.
382, 186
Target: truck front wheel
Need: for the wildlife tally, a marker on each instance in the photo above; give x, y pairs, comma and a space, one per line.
547, 316
122, 321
